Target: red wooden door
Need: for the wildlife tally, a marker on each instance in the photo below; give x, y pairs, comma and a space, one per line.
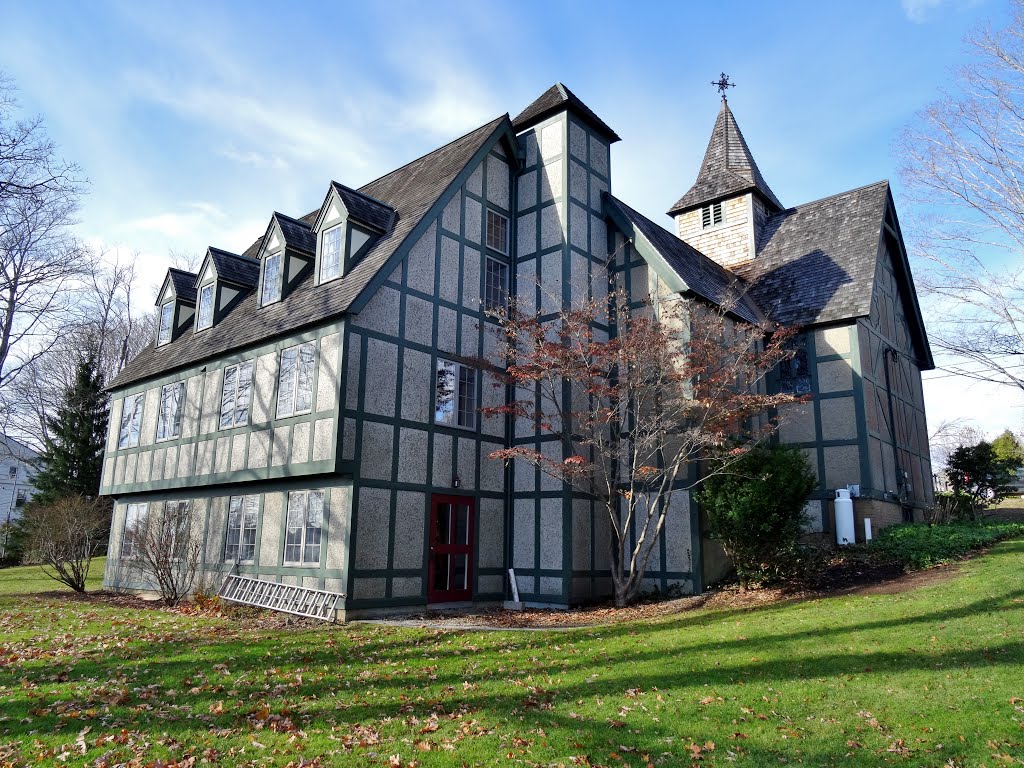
450, 576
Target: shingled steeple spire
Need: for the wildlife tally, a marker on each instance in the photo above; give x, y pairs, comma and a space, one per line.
728, 169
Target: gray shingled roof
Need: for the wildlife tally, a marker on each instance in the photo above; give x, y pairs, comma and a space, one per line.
701, 275
184, 284
297, 234
364, 209
728, 168
410, 190
556, 99
236, 269
816, 263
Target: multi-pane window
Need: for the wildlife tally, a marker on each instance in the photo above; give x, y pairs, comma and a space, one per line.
497, 232
131, 422
271, 279
295, 380
235, 396
330, 258
711, 215
134, 522
240, 542
305, 523
795, 373
455, 394
166, 323
172, 405
12, 471
21, 498
175, 523
495, 285
204, 318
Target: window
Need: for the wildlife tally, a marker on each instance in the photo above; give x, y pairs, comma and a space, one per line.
305, 522
271, 279
12, 472
497, 232
711, 215
131, 422
21, 497
455, 395
174, 525
166, 323
240, 543
295, 380
794, 373
236, 394
330, 258
204, 318
134, 522
495, 285
172, 401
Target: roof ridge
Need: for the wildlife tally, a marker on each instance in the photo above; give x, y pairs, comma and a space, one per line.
300, 222
833, 196
232, 255
181, 271
371, 198
428, 154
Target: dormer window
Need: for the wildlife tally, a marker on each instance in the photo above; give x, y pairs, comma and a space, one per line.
166, 323
330, 259
271, 290
204, 318
711, 215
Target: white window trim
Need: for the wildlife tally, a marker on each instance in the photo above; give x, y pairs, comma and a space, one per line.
508, 231
295, 381
137, 397
280, 279
144, 507
241, 528
160, 324
180, 415
305, 517
508, 271
199, 305
454, 424
323, 252
234, 399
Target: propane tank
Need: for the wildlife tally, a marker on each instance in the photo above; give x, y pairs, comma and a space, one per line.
845, 531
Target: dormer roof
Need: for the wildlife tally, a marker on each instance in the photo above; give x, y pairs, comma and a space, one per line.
232, 268
297, 234
557, 99
728, 169
360, 207
183, 283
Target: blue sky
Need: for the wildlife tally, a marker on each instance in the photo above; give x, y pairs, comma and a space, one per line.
194, 122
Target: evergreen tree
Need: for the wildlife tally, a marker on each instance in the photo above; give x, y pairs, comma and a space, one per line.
1008, 448
72, 456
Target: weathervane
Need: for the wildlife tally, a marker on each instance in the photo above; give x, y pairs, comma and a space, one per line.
723, 84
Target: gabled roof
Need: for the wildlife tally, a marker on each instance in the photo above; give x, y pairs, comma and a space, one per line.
297, 234
364, 209
695, 271
728, 168
557, 99
412, 191
816, 263
184, 284
232, 268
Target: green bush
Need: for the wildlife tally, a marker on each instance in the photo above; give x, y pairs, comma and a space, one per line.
921, 546
756, 511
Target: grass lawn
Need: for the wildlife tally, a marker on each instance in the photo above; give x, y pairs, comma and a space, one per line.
929, 677
31, 578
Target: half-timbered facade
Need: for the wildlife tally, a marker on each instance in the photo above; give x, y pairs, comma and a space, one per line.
313, 403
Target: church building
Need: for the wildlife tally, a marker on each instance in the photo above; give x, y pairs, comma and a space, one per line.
310, 407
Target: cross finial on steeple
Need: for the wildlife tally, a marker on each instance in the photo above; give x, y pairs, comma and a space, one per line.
723, 84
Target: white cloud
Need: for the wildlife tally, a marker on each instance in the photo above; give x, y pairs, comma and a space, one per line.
253, 158
919, 10
194, 217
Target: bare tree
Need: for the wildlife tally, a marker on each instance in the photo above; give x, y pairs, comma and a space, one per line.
65, 536
963, 160
164, 548
678, 384
42, 267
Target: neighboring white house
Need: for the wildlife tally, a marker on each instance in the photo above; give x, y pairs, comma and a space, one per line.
18, 467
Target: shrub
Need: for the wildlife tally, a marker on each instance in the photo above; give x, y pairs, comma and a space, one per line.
756, 510
922, 546
65, 535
